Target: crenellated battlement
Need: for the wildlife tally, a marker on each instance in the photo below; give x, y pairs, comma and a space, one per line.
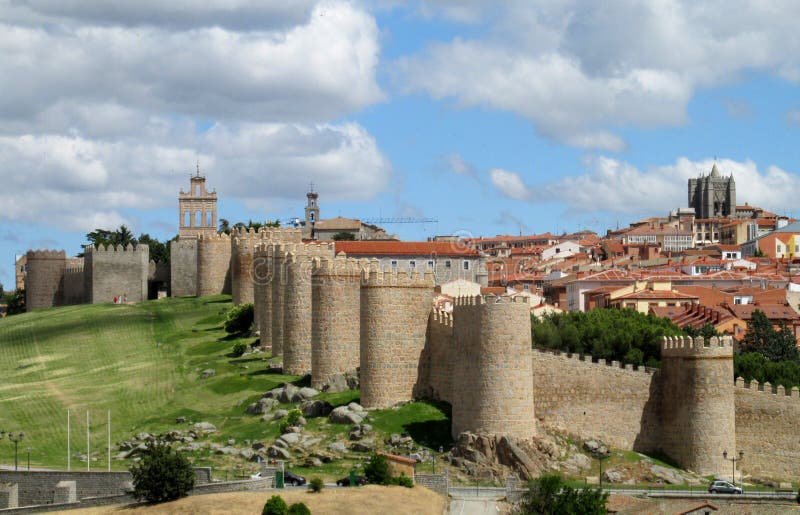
117, 249
767, 388
477, 300
685, 346
590, 361
340, 266
374, 276
45, 254
214, 238
442, 317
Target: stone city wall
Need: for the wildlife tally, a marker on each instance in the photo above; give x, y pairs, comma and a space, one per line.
335, 318
436, 361
492, 371
74, 282
213, 264
243, 243
116, 271
183, 263
44, 282
766, 430
297, 308
698, 413
595, 399
394, 318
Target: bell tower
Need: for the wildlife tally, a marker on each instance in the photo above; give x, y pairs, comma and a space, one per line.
312, 206
197, 208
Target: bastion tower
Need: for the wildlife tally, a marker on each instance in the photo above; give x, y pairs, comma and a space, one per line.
492, 367
698, 412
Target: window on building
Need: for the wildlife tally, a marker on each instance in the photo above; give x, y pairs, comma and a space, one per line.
209, 219
448, 263
431, 264
778, 248
466, 265
187, 219
311, 216
412, 264
526, 287
394, 263
198, 219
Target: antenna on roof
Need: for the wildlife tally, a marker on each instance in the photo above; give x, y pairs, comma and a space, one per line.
198, 167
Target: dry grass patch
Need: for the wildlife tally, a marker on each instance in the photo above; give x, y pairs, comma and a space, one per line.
367, 500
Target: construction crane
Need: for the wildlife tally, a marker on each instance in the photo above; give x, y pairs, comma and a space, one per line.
399, 220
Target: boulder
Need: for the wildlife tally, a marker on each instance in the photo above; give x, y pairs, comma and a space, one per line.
338, 447
313, 462
290, 438
669, 476
354, 406
247, 454
343, 415
278, 452
337, 383
361, 446
612, 476
316, 408
304, 394
180, 420
205, 427
279, 414
205, 374
263, 405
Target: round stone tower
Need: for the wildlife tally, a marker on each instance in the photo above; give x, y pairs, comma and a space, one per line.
297, 306
44, 282
335, 320
394, 318
213, 264
277, 289
698, 415
243, 242
262, 292
493, 368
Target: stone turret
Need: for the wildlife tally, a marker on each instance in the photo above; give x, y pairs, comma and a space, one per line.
45, 279
116, 271
698, 417
262, 292
492, 371
297, 310
335, 320
243, 242
394, 318
213, 264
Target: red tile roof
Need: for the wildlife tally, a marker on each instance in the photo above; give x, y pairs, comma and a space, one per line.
404, 248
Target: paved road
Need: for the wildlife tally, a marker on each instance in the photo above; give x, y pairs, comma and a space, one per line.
473, 507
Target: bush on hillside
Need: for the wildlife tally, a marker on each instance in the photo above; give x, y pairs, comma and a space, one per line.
402, 480
291, 419
239, 349
275, 506
377, 470
298, 508
316, 485
239, 319
16, 303
162, 474
551, 495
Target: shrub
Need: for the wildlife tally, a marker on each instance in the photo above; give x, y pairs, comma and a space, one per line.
377, 470
239, 319
239, 349
162, 474
275, 506
291, 419
402, 480
549, 494
298, 508
16, 303
316, 485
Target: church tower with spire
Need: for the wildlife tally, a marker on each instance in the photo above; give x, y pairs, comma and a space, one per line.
712, 195
197, 208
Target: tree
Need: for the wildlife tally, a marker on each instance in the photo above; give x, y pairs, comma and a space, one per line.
16, 303
344, 236
162, 474
224, 226
274, 223
159, 251
762, 337
239, 319
377, 470
275, 506
550, 494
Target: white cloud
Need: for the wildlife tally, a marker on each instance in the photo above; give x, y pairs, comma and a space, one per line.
509, 184
313, 71
79, 184
611, 185
579, 70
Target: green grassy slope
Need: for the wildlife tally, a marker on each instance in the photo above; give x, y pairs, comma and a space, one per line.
143, 362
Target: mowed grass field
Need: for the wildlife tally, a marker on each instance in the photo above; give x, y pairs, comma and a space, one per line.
143, 362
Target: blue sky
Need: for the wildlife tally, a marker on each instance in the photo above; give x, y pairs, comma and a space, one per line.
553, 116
